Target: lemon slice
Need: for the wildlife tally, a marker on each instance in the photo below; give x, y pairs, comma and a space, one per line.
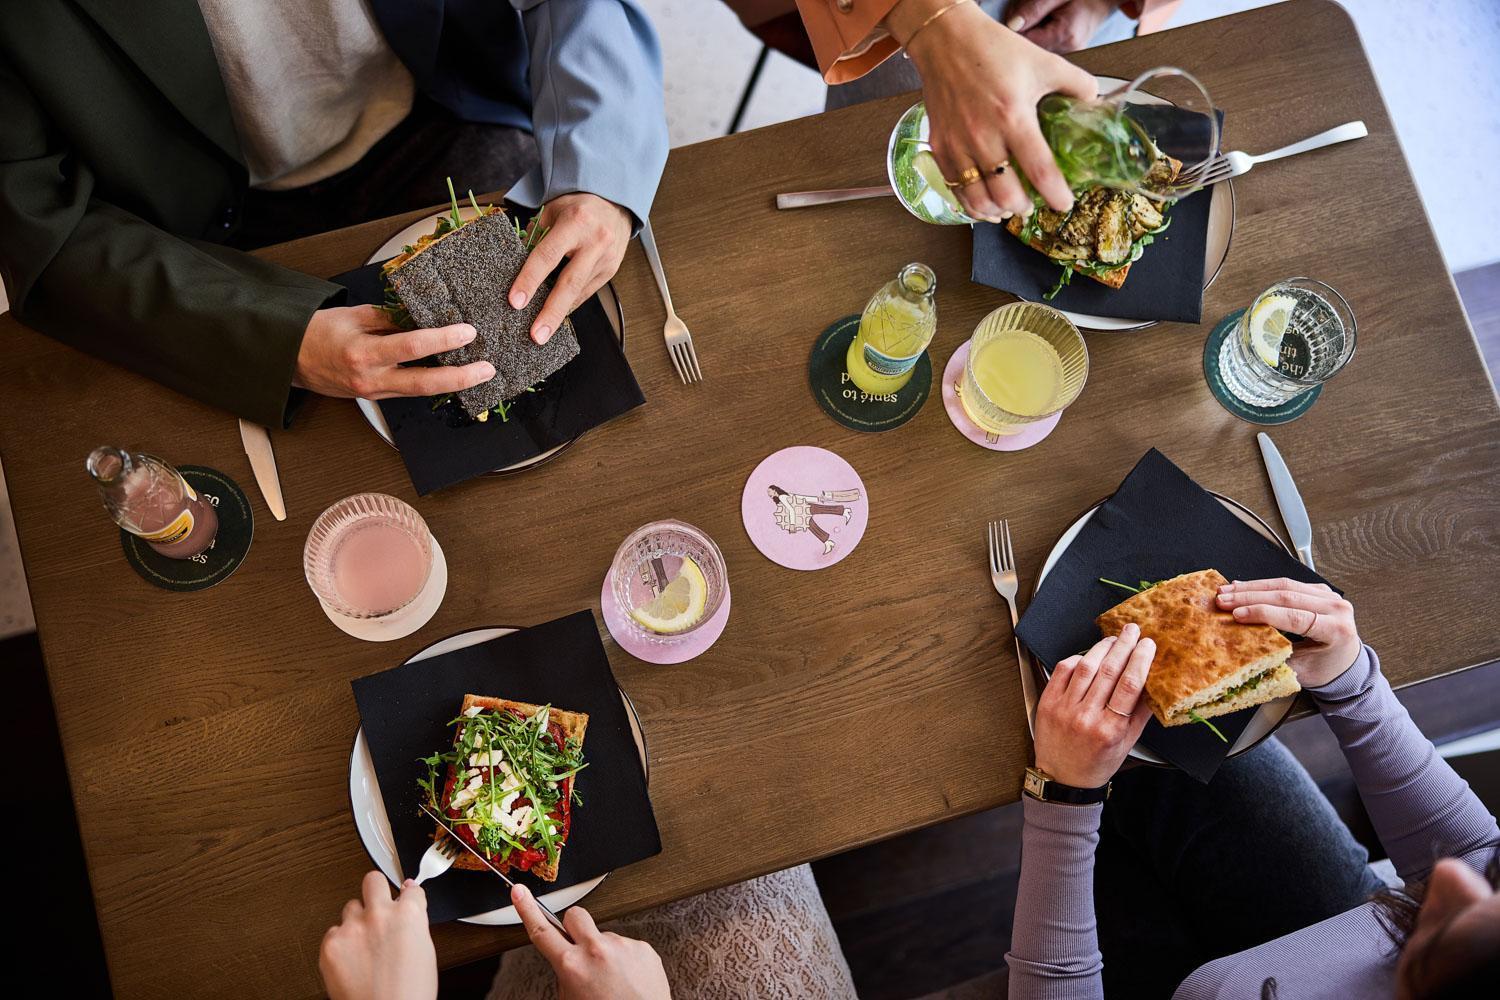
927, 168
1268, 325
679, 606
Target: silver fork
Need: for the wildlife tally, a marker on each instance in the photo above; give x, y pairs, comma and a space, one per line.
438, 859
1227, 165
1003, 576
679, 341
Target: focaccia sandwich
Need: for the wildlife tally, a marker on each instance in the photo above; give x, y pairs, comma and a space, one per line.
1207, 663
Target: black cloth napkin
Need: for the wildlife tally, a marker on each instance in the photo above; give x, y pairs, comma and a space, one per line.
442, 447
1157, 525
1165, 284
405, 712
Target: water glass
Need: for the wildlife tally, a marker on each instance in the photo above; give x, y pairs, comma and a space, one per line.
1026, 362
368, 556
1296, 335
650, 559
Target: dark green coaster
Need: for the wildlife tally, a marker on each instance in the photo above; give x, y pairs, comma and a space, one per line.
214, 564
841, 399
1290, 410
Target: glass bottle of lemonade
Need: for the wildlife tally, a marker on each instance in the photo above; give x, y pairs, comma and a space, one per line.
150, 499
897, 325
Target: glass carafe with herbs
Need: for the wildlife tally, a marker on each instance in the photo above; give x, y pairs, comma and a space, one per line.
1148, 136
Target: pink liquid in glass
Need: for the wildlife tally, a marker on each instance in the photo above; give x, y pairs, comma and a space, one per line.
154, 503
377, 566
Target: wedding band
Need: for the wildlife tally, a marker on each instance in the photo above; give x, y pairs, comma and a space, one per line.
970, 175
1123, 715
1312, 624
1000, 168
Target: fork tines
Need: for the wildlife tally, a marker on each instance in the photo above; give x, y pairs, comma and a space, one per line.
1002, 556
446, 846
685, 359
1205, 174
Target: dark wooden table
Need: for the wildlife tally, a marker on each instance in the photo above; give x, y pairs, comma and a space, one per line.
207, 735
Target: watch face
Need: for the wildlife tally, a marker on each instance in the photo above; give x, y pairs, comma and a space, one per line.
1034, 784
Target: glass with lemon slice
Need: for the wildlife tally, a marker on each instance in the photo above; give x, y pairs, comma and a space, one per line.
1296, 335
668, 578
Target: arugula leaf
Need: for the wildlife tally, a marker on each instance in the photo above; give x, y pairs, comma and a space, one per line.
1067, 276
1212, 728
1142, 584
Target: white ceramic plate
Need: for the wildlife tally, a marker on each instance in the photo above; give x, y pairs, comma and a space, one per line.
1220, 234
375, 827
1272, 713
411, 233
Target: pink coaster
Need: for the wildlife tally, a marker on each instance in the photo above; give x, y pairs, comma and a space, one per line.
1028, 436
805, 508
653, 652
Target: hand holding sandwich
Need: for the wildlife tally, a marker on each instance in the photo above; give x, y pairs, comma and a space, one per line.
1091, 712
592, 234
357, 351
1325, 621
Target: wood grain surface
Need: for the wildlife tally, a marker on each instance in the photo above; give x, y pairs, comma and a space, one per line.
207, 735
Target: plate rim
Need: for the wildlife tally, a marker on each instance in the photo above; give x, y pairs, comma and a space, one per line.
365, 405
1146, 756
1081, 320
638, 732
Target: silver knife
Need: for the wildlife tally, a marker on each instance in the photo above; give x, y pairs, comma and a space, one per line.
551, 917
806, 199
1288, 500
257, 444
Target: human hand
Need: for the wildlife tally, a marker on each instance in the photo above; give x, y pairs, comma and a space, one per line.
1059, 25
1091, 712
593, 234
357, 351
1312, 610
598, 965
381, 948
981, 82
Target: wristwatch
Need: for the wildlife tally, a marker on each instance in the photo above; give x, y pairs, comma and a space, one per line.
1045, 788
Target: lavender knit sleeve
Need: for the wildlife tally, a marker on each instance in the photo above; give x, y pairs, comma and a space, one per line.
1054, 946
1421, 809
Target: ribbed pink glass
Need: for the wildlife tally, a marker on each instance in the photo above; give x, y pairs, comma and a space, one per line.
368, 555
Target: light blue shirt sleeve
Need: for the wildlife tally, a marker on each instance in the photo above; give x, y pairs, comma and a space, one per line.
598, 113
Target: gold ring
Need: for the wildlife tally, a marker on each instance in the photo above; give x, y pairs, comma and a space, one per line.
1111, 708
970, 175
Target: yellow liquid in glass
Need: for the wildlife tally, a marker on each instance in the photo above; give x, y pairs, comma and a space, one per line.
896, 328
1020, 373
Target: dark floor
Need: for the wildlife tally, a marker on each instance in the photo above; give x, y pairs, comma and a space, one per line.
914, 914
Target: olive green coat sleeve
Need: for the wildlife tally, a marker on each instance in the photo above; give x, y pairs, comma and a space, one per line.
216, 324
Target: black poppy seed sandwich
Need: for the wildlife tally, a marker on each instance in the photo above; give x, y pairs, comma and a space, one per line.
462, 273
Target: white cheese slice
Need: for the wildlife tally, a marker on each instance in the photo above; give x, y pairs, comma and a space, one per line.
486, 758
